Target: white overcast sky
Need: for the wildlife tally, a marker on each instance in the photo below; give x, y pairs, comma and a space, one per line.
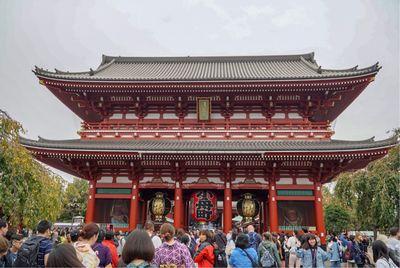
72, 35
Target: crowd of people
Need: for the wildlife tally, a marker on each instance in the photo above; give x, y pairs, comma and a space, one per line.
92, 247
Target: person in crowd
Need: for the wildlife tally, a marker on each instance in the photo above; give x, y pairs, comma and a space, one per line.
391, 253
74, 234
171, 252
254, 238
243, 255
138, 251
275, 239
394, 241
230, 246
16, 242
149, 228
64, 255
365, 242
219, 249
335, 248
109, 242
3, 228
310, 254
286, 249
3, 250
45, 246
88, 238
102, 252
204, 256
267, 246
380, 255
292, 244
185, 240
121, 243
358, 253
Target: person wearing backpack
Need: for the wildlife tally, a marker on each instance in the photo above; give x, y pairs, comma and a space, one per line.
254, 238
35, 251
219, 250
268, 253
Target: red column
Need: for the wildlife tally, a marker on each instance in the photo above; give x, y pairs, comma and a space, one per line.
178, 205
273, 206
91, 201
319, 212
227, 207
133, 214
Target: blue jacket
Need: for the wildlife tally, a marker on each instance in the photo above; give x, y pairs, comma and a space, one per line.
239, 258
335, 251
306, 257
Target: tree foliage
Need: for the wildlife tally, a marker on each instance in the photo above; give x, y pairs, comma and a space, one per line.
75, 200
28, 191
372, 194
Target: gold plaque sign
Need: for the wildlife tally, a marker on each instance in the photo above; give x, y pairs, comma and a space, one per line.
203, 109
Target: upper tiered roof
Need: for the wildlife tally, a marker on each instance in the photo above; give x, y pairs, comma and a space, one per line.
224, 68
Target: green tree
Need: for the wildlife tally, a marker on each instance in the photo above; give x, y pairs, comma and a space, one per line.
337, 218
75, 199
28, 191
373, 194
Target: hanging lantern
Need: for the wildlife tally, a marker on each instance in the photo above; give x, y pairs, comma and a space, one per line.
204, 206
248, 207
159, 207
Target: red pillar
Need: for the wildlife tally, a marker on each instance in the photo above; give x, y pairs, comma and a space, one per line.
178, 205
133, 214
227, 207
91, 202
319, 212
273, 206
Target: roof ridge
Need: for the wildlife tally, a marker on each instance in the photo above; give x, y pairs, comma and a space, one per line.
290, 57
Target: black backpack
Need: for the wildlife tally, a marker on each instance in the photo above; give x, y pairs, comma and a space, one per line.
220, 258
28, 253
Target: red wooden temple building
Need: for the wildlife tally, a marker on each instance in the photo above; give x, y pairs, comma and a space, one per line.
253, 130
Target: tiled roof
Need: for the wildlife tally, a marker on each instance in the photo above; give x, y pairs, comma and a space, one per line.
182, 146
229, 68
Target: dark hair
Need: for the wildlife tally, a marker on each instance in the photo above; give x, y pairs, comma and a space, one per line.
149, 226
138, 246
179, 233
234, 234
220, 239
267, 236
3, 244
3, 223
17, 237
185, 239
43, 226
351, 238
242, 241
379, 249
100, 238
393, 231
63, 255
109, 235
74, 234
168, 230
89, 231
306, 245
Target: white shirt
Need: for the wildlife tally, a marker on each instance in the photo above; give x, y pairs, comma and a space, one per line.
156, 241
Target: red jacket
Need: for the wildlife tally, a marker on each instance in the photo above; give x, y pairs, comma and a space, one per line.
205, 259
113, 250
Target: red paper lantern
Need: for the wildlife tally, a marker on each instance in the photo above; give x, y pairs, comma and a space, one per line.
204, 206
